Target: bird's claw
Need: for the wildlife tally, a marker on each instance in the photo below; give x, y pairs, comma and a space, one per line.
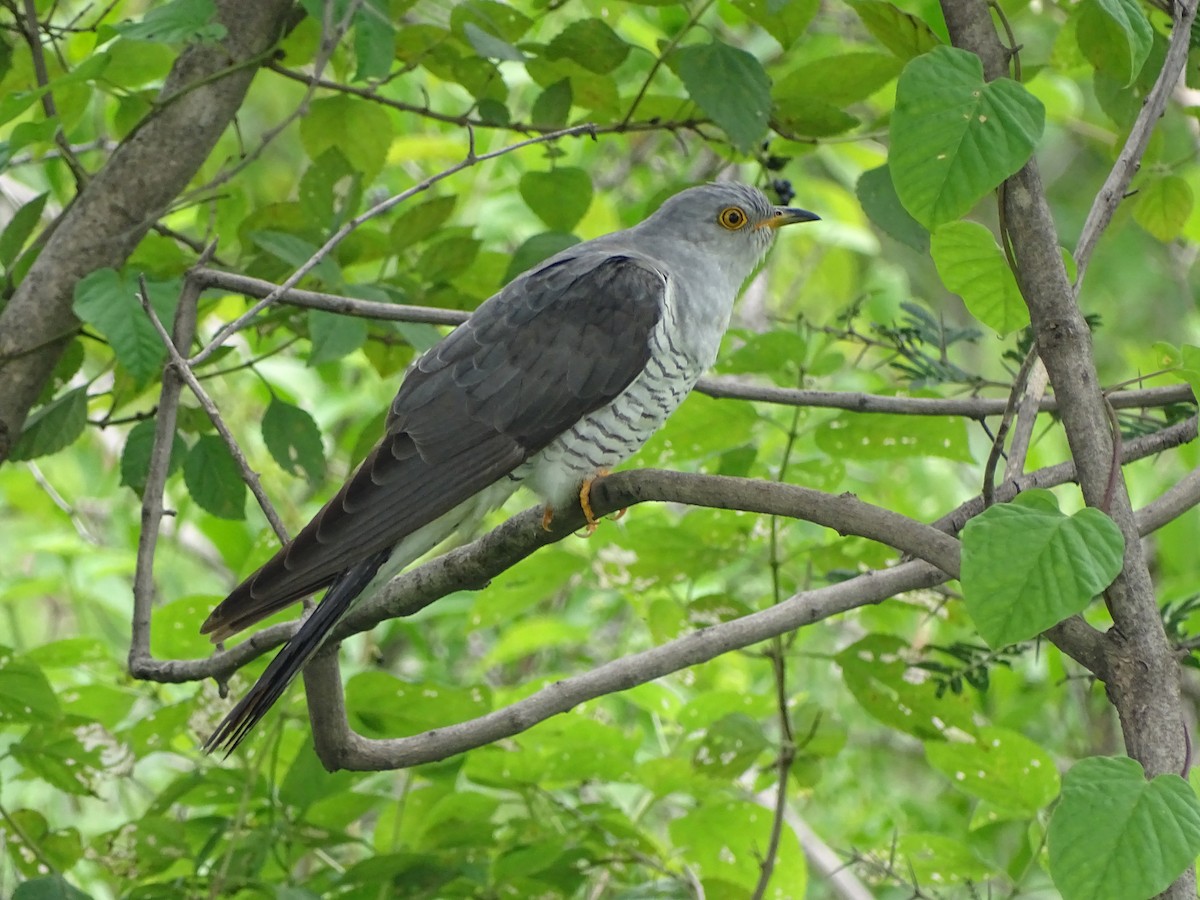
547, 517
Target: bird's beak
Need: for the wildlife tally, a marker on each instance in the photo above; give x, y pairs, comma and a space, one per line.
787, 215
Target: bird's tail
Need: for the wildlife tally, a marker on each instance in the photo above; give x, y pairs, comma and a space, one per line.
295, 653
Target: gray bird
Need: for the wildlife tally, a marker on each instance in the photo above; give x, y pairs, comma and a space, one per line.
560, 376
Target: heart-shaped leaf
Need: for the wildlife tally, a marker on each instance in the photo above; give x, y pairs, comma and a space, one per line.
1027, 566
971, 265
955, 136
1116, 836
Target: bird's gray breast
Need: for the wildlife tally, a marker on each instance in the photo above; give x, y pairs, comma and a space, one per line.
606, 437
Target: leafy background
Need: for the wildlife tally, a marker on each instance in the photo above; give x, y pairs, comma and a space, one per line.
922, 759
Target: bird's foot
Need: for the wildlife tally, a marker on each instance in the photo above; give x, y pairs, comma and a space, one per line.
547, 517
585, 501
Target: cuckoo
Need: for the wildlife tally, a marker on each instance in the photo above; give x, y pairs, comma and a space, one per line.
560, 376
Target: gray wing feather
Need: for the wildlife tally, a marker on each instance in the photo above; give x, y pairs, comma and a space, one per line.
556, 344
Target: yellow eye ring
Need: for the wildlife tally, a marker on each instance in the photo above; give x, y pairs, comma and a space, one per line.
732, 218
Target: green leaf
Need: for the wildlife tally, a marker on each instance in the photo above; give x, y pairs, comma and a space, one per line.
296, 251
838, 80
894, 436
1003, 767
804, 114
971, 265
730, 746
213, 478
294, 440
1026, 566
25, 694
901, 696
448, 258
904, 35
385, 706
878, 197
489, 46
955, 137
492, 16
537, 248
52, 427
135, 458
374, 40
180, 21
560, 197
941, 860
553, 105
109, 303
333, 336
723, 841
785, 22
590, 43
19, 228
730, 86
175, 632
361, 131
420, 222
1116, 836
48, 887
1163, 206
1115, 36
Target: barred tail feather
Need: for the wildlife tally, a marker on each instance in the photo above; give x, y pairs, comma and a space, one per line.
294, 655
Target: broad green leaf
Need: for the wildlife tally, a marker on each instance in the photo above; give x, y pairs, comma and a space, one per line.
492, 16
838, 80
19, 228
894, 436
48, 887
489, 46
374, 40
730, 746
971, 265
730, 86
1115, 36
175, 628
878, 197
785, 21
417, 223
941, 860
1026, 566
330, 191
1163, 206
1117, 836
296, 251
904, 35
294, 440
333, 336
903, 697
385, 706
109, 303
955, 137
52, 427
180, 21
807, 115
723, 840
25, 694
553, 105
1003, 767
591, 43
213, 478
57, 757
560, 197
361, 131
448, 258
135, 458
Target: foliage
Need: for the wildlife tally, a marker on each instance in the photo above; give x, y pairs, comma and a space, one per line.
691, 784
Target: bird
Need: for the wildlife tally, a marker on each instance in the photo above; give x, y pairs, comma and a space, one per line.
551, 382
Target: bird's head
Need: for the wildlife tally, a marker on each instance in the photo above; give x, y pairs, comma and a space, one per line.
734, 223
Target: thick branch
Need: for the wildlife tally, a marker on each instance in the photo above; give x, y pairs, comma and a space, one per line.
110, 216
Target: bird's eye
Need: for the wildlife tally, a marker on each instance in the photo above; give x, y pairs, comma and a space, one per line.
732, 218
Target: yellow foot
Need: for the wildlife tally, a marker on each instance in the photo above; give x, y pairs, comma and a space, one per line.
547, 517
585, 500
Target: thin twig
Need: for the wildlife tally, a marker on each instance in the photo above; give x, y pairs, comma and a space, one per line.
383, 206
249, 476
1130, 157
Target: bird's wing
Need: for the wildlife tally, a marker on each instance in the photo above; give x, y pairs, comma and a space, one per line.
551, 347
